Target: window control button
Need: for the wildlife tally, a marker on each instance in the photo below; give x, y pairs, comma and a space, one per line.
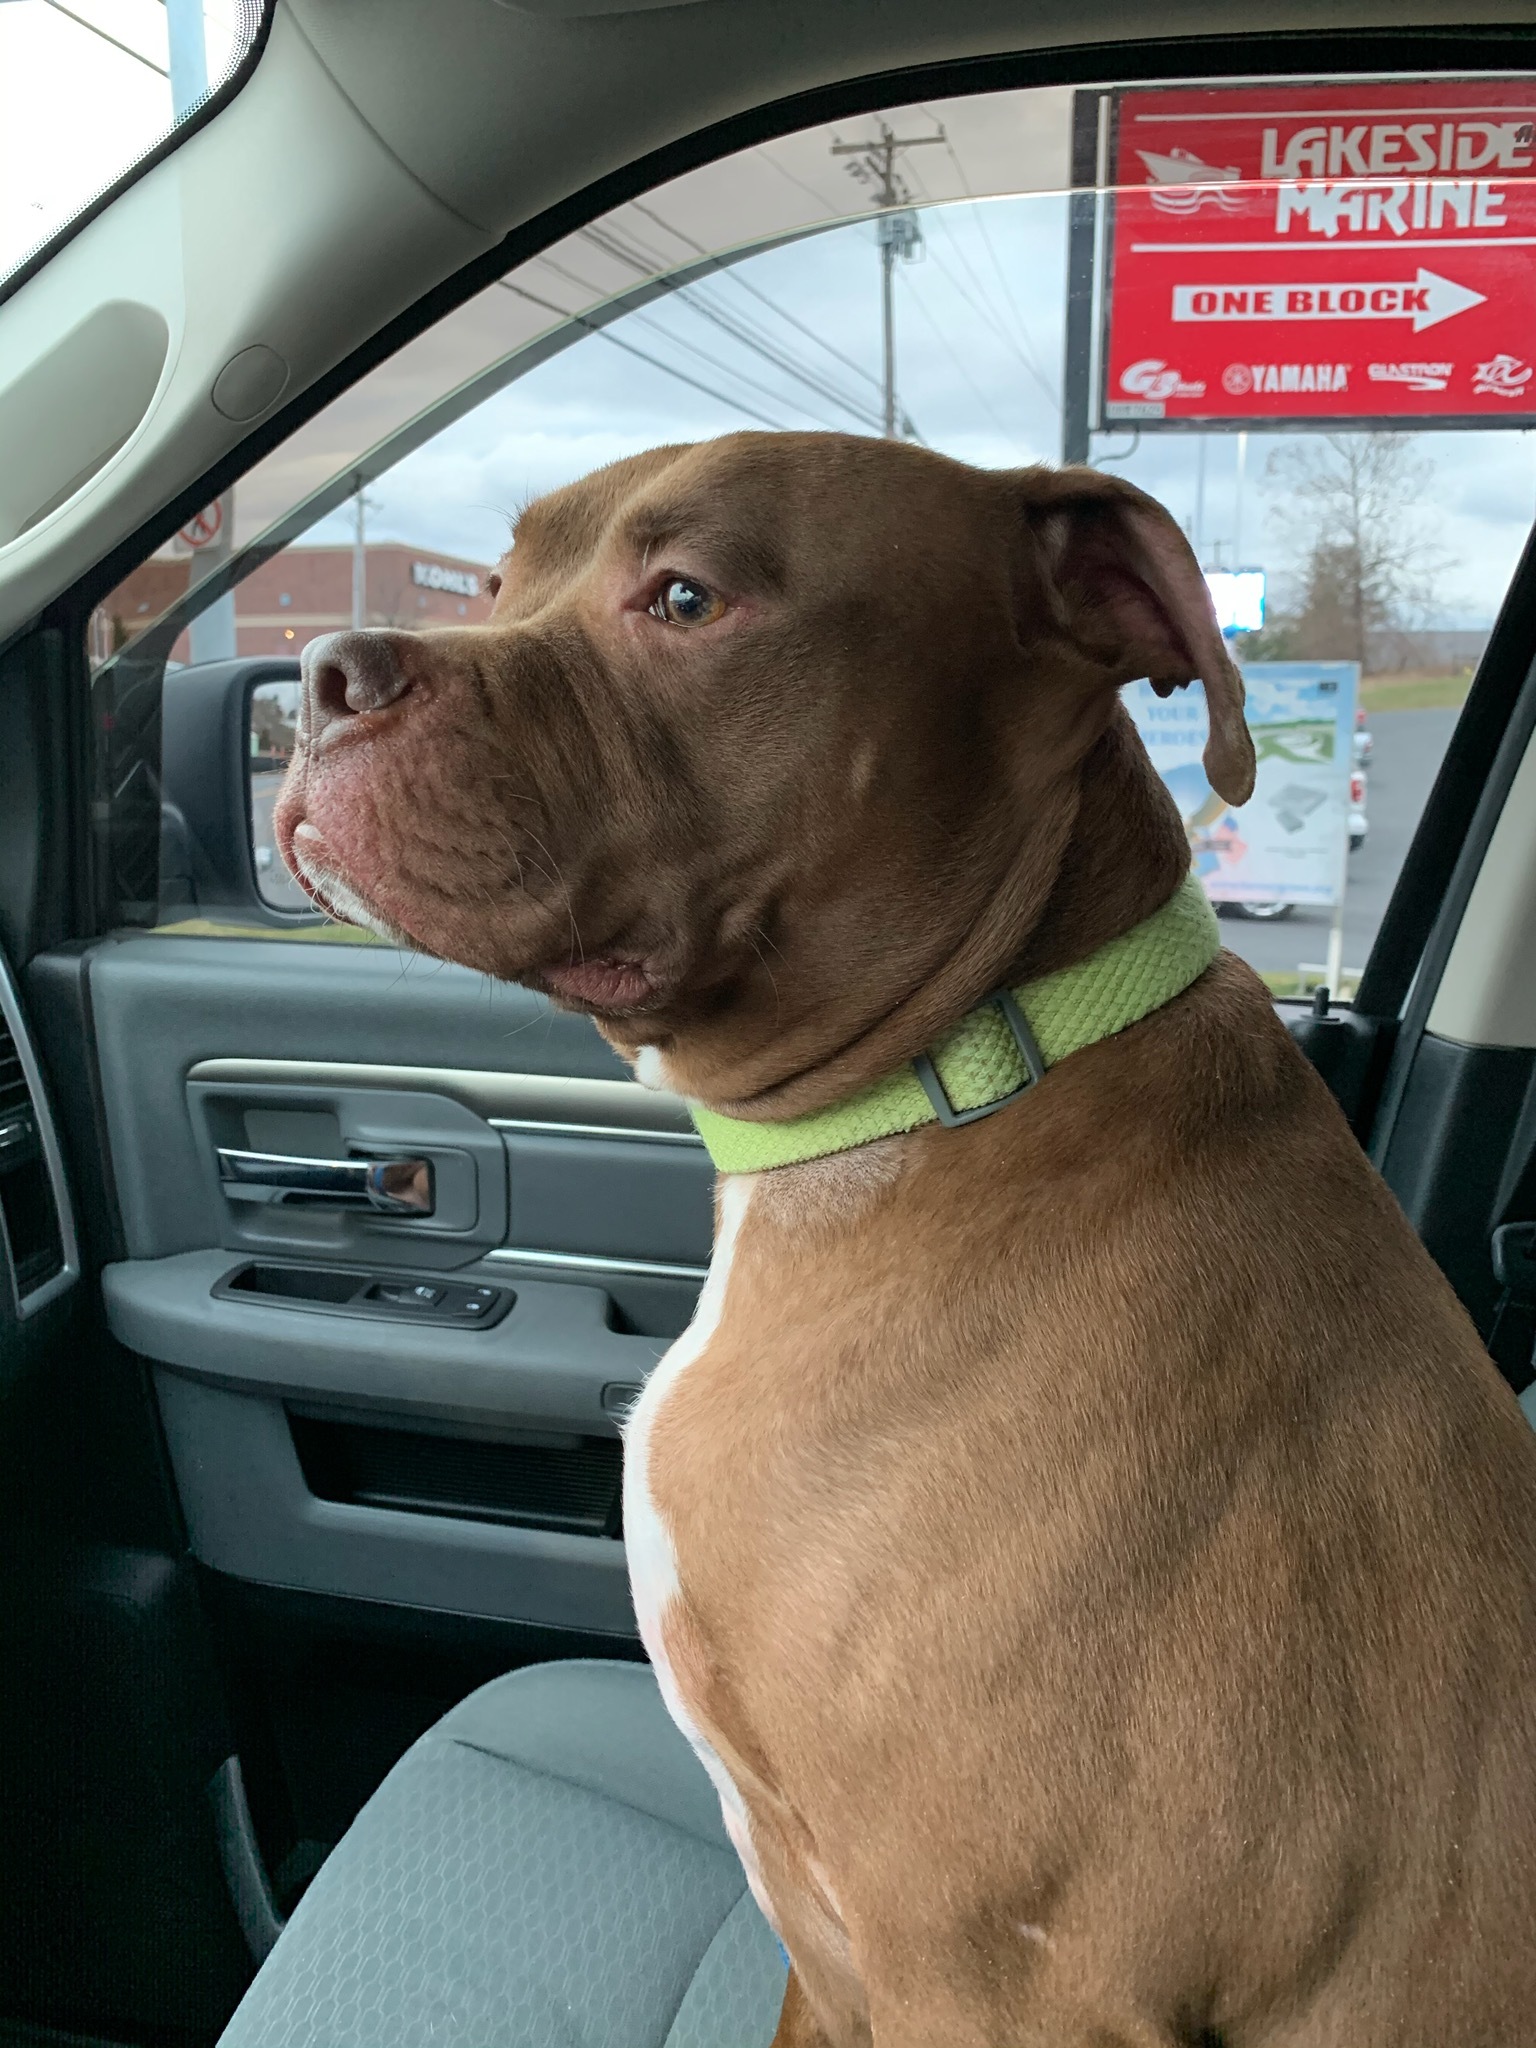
407, 1294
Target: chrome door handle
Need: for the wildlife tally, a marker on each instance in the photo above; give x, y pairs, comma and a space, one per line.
392, 1187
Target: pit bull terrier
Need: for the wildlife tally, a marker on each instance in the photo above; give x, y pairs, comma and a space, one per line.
1080, 1532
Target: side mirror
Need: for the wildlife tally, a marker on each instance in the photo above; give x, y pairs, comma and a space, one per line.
226, 733
271, 723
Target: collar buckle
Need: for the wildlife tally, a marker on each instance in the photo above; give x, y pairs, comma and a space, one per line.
1029, 1052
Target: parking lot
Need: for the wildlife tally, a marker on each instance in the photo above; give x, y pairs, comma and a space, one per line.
1409, 748
274, 880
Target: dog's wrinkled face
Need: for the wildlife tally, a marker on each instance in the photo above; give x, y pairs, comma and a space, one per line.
745, 714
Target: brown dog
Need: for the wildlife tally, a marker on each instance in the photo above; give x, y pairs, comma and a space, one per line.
1089, 1547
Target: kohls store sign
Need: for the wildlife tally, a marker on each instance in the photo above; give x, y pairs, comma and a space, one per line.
1324, 253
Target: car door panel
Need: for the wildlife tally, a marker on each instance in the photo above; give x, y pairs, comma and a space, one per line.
252, 1515
421, 1463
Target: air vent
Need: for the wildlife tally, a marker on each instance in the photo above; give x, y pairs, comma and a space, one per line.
28, 1211
571, 1483
14, 1093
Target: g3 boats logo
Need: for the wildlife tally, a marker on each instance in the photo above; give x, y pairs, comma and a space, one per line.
1152, 378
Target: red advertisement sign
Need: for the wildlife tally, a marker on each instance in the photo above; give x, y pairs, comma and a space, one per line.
1315, 254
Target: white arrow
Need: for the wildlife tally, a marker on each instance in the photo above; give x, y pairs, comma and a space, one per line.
1426, 302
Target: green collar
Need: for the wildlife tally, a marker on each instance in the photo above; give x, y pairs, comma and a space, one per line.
999, 1049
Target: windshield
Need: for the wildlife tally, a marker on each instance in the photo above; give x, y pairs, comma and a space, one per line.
88, 89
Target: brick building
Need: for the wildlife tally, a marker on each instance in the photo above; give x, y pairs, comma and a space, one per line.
303, 592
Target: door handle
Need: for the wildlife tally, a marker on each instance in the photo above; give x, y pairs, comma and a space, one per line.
391, 1187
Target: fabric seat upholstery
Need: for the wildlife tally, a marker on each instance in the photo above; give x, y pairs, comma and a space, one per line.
546, 1868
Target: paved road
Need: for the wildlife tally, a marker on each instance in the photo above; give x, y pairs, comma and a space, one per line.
277, 885
1409, 747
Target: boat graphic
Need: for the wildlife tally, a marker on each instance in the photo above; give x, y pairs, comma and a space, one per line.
1180, 183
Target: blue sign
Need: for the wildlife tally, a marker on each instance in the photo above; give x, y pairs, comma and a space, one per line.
1288, 843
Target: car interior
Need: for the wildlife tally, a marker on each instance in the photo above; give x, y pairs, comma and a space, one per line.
331, 1271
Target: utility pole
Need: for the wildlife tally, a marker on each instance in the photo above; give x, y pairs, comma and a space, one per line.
1088, 115
874, 164
189, 54
212, 635
1237, 514
362, 505
360, 558
1198, 536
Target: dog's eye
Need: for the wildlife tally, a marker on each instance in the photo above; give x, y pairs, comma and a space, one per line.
682, 602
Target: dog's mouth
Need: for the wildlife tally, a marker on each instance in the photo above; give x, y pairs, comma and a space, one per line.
602, 984
332, 892
606, 985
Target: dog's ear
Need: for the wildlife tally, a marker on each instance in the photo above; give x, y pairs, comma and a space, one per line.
1120, 579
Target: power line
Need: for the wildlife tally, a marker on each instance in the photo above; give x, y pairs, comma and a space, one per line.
751, 337
958, 360
668, 369
828, 206
773, 353
681, 341
733, 276
985, 308
126, 48
986, 314
980, 218
747, 335
1014, 336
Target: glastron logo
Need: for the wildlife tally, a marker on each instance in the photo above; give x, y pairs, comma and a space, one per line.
1238, 379
1152, 378
1417, 376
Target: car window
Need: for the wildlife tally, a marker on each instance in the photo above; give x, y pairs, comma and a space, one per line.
1295, 313
90, 90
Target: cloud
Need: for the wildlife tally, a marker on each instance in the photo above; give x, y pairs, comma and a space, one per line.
791, 337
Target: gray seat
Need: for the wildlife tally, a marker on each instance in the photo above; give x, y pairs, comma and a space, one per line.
546, 1868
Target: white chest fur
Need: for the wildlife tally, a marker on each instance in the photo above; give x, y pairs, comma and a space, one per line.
653, 1567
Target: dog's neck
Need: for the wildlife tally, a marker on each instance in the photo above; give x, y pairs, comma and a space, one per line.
1111, 852
1126, 855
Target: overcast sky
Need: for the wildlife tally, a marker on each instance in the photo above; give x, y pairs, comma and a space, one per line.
83, 92
979, 344
978, 325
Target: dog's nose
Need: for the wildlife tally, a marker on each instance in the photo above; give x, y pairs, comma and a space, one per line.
348, 673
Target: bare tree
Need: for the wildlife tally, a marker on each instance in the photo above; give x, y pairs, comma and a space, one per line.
1364, 559
274, 724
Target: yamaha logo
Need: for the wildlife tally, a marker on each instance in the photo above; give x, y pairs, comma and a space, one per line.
1238, 379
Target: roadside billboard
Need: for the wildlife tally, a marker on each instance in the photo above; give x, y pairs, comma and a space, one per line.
1316, 255
1290, 841
1239, 596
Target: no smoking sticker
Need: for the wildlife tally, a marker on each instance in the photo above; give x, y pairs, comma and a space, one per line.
204, 528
